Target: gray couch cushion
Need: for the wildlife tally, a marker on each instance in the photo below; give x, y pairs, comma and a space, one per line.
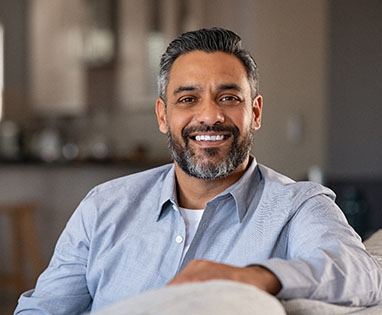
374, 246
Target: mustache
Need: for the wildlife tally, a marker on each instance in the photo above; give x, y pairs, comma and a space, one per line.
205, 128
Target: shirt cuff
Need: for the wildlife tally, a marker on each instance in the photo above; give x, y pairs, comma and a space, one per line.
296, 278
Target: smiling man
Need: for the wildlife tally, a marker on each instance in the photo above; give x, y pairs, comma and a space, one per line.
214, 213
209, 114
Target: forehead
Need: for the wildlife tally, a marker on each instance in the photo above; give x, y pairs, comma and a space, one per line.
207, 69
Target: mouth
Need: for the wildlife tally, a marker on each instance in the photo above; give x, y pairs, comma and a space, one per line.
210, 139
207, 136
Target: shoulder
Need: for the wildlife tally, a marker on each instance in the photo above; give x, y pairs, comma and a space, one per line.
115, 197
131, 184
283, 190
119, 199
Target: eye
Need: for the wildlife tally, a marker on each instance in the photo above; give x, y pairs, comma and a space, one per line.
187, 99
229, 99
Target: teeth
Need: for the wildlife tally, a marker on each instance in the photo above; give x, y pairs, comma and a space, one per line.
209, 138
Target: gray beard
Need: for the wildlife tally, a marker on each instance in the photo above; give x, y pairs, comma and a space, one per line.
189, 162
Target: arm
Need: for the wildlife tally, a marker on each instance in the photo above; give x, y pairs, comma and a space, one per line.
325, 258
62, 287
204, 270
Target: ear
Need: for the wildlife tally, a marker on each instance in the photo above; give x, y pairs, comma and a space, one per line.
257, 107
160, 111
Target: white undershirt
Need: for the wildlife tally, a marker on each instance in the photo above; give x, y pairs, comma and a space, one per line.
191, 218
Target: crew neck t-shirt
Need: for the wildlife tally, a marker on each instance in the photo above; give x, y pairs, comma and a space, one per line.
191, 218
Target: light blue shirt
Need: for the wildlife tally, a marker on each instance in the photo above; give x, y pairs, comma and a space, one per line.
127, 236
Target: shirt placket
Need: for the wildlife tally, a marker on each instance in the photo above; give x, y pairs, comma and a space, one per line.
179, 236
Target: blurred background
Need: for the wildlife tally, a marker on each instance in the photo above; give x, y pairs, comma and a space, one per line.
78, 86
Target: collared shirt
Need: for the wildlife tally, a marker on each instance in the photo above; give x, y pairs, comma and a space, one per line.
126, 237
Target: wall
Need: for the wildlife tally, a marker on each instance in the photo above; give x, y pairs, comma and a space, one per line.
355, 109
13, 16
57, 76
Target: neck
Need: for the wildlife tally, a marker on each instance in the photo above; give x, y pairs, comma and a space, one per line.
194, 193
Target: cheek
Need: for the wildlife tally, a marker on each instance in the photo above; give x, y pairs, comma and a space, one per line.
177, 128
177, 122
242, 120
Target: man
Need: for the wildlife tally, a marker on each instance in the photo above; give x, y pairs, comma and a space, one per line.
212, 214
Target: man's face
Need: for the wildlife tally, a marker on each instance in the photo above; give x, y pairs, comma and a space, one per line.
209, 115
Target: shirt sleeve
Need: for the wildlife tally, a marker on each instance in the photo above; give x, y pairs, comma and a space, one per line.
326, 259
62, 287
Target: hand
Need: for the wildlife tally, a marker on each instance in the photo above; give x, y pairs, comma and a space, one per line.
204, 270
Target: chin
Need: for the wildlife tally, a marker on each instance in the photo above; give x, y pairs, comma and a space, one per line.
212, 153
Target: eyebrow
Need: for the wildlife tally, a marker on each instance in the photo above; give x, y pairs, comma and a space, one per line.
229, 86
221, 87
186, 88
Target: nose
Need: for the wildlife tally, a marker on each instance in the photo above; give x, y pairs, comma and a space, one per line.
210, 113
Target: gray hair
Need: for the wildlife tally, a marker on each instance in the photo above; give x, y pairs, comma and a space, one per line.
215, 39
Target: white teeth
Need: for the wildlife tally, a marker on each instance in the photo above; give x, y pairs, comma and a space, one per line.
209, 138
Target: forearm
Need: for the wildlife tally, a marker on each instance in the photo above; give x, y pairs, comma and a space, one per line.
357, 283
260, 277
204, 270
326, 262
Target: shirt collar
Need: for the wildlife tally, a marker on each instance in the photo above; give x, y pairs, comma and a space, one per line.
168, 191
243, 191
246, 188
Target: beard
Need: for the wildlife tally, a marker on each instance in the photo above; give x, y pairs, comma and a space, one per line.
205, 166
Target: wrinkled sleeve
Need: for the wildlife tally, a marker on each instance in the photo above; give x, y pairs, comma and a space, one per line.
62, 287
326, 259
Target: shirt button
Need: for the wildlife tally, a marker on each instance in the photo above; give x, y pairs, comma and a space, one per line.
179, 239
